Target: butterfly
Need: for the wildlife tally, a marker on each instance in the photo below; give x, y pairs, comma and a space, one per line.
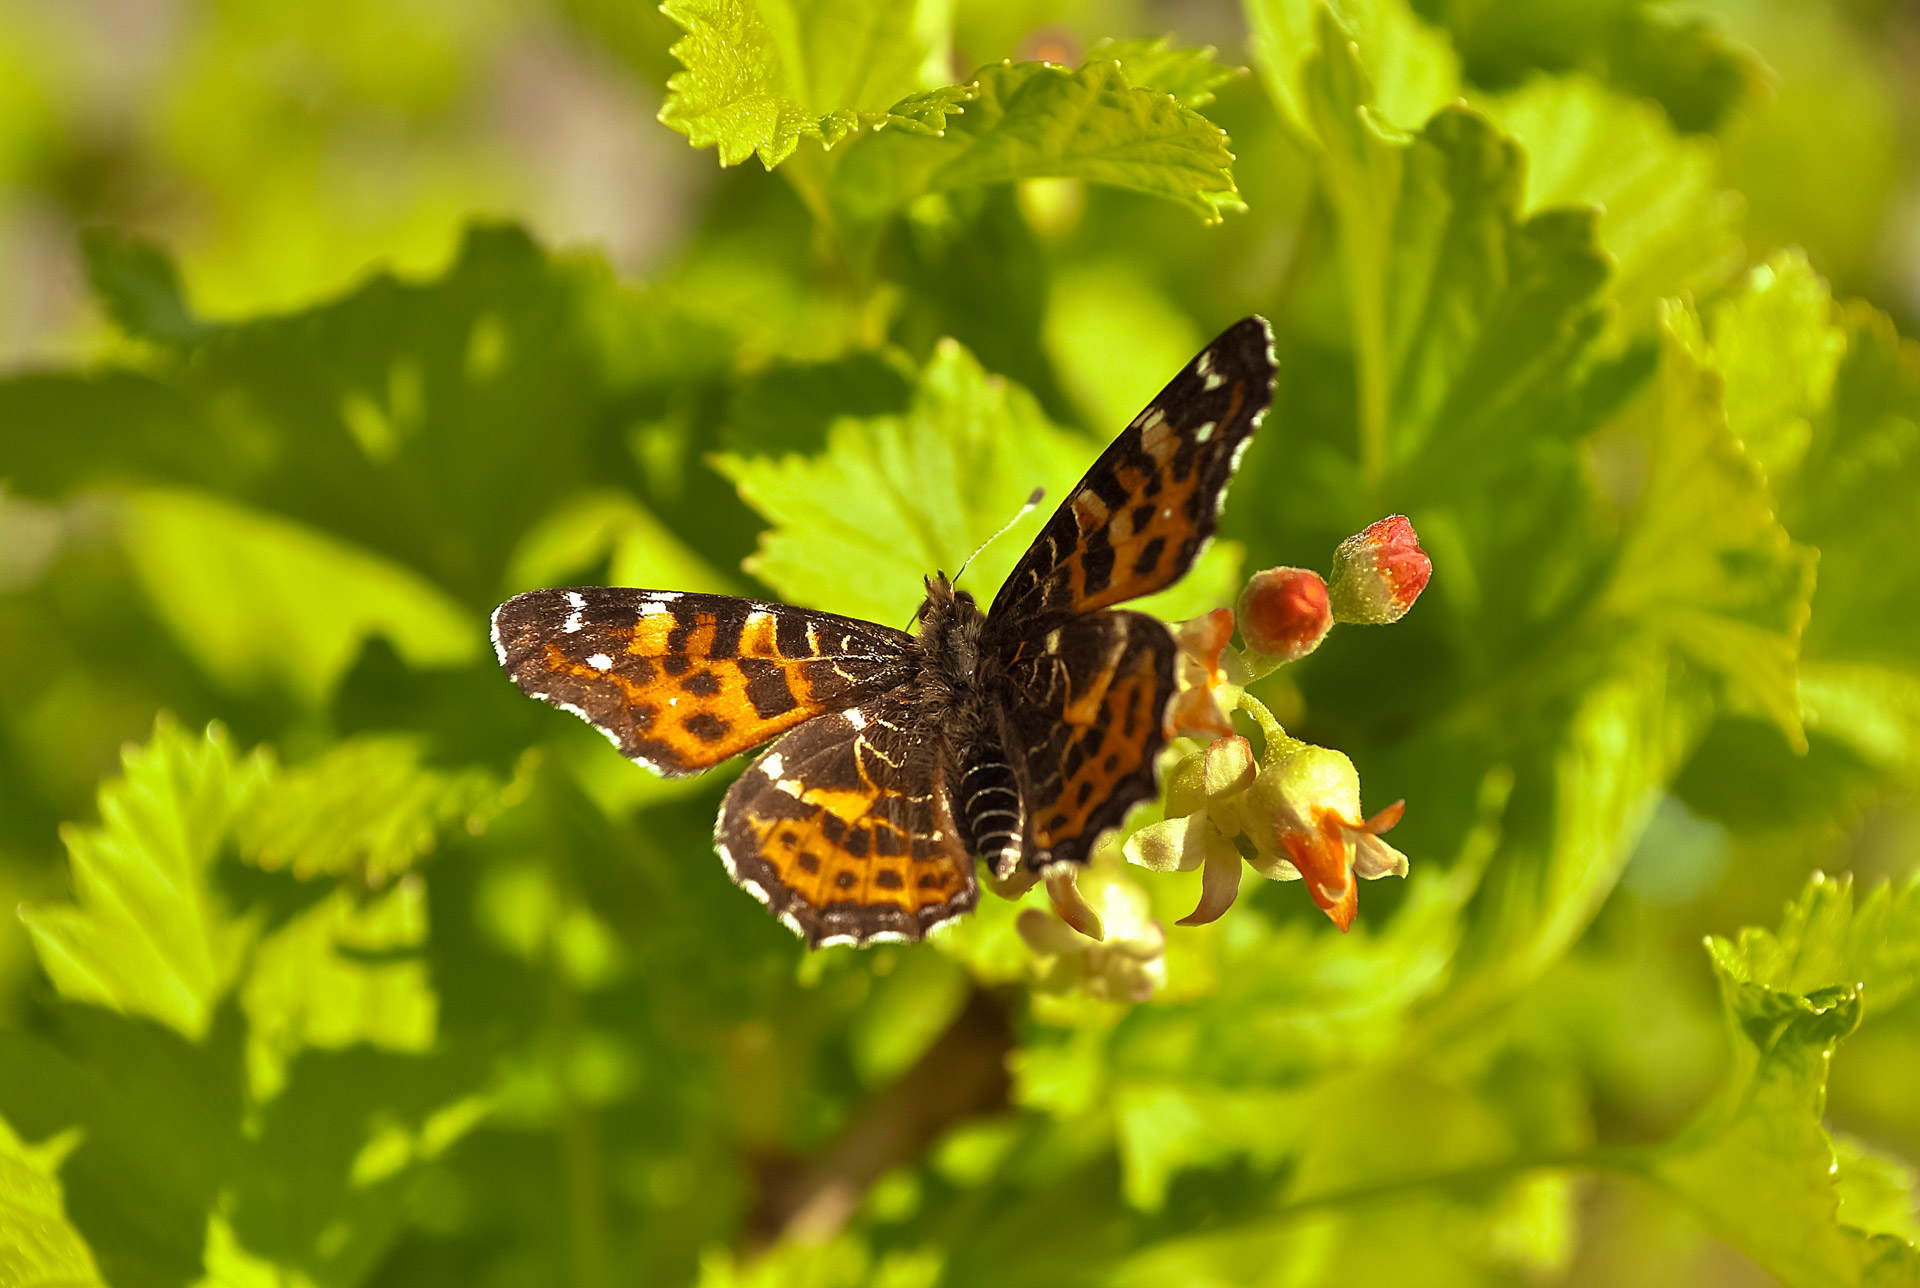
1016, 736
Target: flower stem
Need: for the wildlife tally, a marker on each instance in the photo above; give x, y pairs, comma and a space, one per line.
1274, 738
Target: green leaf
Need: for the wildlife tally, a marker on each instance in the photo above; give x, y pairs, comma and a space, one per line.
762, 74
39, 1248
1824, 938
1852, 495
1190, 75
1778, 345
1464, 317
145, 934
1757, 1164
366, 808
259, 601
1409, 67
1705, 565
1582, 801
894, 498
140, 287
585, 530
1685, 62
303, 991
1033, 120
1664, 219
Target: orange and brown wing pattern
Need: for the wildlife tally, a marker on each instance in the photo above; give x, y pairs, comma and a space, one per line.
845, 829
1150, 504
680, 682
1088, 718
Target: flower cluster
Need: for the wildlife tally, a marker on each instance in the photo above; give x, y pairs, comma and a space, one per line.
1291, 812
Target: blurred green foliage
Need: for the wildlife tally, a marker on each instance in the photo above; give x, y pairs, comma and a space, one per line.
340, 963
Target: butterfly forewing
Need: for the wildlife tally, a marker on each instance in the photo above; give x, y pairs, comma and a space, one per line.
680, 682
845, 830
1085, 718
1146, 509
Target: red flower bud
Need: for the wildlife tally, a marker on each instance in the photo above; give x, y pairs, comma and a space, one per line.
1284, 613
1378, 573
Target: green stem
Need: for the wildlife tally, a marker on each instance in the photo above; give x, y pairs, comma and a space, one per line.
1274, 738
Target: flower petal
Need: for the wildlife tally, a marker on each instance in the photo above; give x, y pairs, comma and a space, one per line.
1049, 936
1219, 883
1169, 846
1064, 889
1374, 858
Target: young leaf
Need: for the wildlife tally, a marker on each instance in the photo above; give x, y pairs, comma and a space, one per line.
145, 934
1757, 1164
367, 808
1033, 120
39, 1248
1664, 219
1190, 75
895, 498
258, 600
762, 74
1705, 564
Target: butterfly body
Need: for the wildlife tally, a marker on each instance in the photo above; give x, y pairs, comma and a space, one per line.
1016, 736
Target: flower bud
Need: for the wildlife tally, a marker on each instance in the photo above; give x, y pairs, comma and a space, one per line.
1378, 573
1284, 614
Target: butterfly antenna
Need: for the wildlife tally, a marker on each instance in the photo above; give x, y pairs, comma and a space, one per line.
1034, 498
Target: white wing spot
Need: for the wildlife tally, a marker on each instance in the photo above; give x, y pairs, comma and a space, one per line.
791, 786
773, 766
1204, 363
1150, 417
1203, 433
1053, 640
653, 608
856, 717
1215, 380
600, 662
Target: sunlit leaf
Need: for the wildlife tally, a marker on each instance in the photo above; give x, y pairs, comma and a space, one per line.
145, 934
1706, 565
39, 1248
1190, 75
1665, 220
762, 74
1033, 120
366, 808
1757, 1163
896, 498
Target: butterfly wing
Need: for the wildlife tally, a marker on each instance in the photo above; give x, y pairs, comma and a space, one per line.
1085, 708
845, 830
680, 682
1149, 505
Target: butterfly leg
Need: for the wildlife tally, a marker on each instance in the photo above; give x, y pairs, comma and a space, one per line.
994, 814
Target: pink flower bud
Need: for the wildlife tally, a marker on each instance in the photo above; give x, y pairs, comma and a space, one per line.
1283, 613
1378, 573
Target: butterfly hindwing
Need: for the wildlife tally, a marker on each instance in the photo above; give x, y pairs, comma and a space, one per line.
680, 682
845, 830
1149, 505
1086, 720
